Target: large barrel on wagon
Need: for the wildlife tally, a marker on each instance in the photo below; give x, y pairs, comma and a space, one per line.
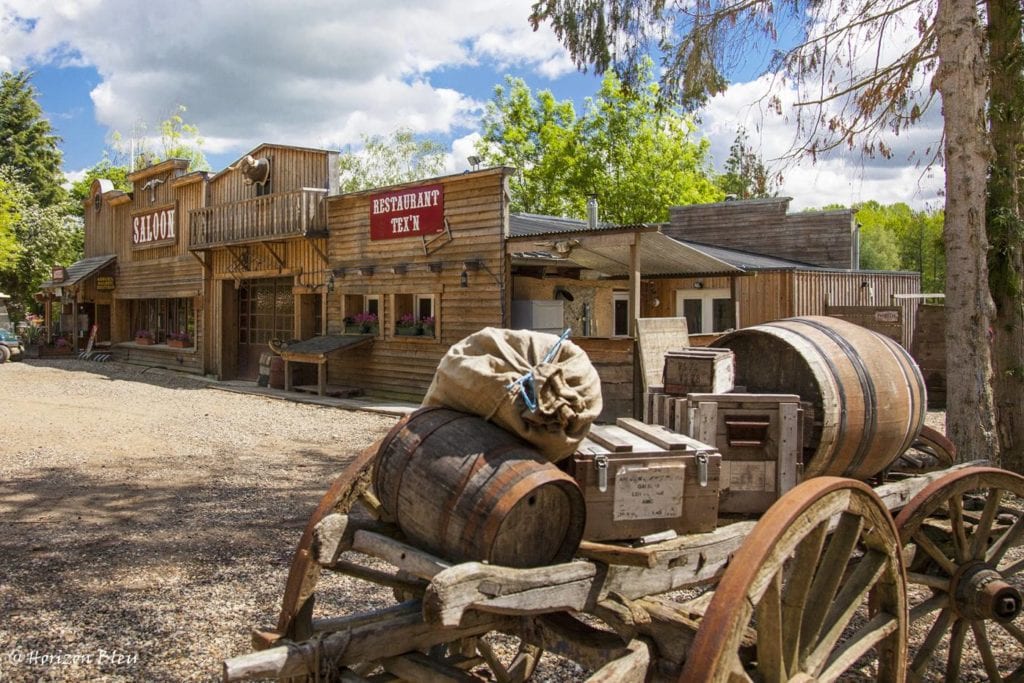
867, 393
466, 489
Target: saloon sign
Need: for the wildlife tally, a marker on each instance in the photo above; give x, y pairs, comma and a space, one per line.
153, 227
411, 212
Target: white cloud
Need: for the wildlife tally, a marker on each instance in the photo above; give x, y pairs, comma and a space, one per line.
321, 72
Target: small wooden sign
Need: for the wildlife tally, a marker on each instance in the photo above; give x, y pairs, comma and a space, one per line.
412, 212
58, 273
105, 283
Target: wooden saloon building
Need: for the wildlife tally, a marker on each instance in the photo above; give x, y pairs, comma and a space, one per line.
372, 288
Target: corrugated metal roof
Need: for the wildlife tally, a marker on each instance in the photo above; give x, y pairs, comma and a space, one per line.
80, 270
536, 225
749, 260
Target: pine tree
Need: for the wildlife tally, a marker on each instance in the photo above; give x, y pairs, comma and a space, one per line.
27, 142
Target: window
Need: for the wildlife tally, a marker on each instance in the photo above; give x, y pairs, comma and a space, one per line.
362, 313
162, 317
620, 312
707, 311
415, 315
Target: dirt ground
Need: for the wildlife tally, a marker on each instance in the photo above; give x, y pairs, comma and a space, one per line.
147, 519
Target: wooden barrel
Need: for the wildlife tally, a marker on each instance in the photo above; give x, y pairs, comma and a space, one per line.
277, 372
867, 393
263, 379
465, 489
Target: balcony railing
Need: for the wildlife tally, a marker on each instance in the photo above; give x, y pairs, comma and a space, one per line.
300, 213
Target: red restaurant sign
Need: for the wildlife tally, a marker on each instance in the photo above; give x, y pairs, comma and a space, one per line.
411, 212
153, 227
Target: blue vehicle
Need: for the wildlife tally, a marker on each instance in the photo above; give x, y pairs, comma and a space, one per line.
10, 347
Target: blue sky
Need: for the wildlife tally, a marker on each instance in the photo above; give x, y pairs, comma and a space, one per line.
322, 73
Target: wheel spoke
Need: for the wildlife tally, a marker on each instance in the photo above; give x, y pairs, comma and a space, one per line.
928, 545
857, 645
1005, 542
985, 648
770, 662
1014, 631
956, 650
794, 596
981, 534
931, 641
830, 574
936, 582
918, 612
957, 524
852, 595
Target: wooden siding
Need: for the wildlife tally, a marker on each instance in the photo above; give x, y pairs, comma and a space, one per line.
929, 350
403, 367
275, 216
613, 359
291, 169
821, 238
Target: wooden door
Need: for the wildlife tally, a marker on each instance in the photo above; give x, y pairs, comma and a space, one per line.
266, 310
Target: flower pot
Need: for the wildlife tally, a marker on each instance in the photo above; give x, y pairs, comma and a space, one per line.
428, 331
407, 331
353, 329
145, 341
179, 344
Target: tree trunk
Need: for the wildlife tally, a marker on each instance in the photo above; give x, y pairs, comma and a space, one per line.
1005, 225
961, 80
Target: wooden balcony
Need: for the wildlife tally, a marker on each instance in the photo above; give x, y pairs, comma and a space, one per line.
301, 213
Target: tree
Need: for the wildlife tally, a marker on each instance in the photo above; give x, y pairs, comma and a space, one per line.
855, 83
1005, 223
178, 140
745, 174
27, 143
105, 169
47, 236
915, 238
636, 157
390, 161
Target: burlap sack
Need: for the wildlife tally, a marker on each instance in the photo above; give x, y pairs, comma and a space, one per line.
474, 375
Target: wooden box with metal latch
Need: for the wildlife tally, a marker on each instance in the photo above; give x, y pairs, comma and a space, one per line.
639, 479
760, 437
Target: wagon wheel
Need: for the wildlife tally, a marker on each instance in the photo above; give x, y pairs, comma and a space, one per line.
956, 534
934, 451
791, 604
295, 620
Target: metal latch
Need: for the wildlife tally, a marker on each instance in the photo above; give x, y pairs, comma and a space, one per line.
601, 462
702, 469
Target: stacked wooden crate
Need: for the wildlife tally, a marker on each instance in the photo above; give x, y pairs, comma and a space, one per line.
759, 436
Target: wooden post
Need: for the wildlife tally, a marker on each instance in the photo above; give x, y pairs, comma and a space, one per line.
287, 375
634, 284
321, 377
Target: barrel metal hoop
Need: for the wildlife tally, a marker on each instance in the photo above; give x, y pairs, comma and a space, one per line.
867, 386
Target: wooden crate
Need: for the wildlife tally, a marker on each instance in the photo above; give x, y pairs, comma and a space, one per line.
699, 370
640, 479
760, 437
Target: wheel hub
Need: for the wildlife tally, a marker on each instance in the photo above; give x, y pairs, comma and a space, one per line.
980, 592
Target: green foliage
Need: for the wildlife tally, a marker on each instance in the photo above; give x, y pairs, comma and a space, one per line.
178, 140
383, 161
895, 237
636, 157
745, 174
46, 235
103, 170
28, 146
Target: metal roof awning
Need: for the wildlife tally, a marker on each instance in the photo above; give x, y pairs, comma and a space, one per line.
81, 270
607, 253
317, 350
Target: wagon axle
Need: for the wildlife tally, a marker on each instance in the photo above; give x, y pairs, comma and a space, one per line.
980, 592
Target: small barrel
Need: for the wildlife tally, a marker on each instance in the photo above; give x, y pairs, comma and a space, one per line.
277, 372
467, 490
263, 379
867, 393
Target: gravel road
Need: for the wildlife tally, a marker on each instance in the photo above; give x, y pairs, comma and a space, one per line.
147, 520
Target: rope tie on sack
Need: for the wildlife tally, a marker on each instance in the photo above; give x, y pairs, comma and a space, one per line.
525, 385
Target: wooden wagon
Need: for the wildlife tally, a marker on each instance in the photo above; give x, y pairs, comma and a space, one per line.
827, 584
824, 580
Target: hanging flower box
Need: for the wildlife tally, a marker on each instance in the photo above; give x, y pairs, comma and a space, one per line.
179, 340
144, 338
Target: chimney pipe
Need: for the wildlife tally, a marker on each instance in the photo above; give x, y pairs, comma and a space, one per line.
592, 211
